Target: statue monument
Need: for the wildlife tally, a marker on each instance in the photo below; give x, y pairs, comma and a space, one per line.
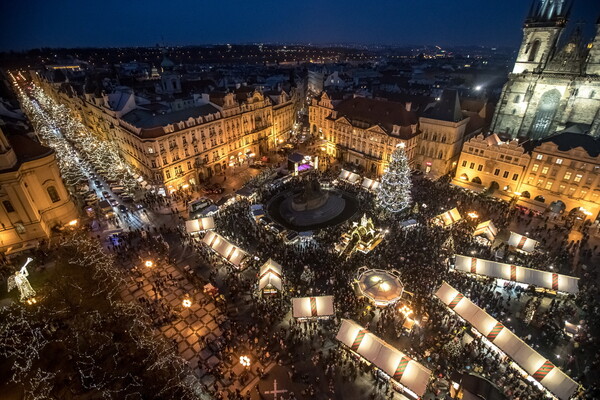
310, 198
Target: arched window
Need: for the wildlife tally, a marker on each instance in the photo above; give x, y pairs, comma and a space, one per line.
533, 51
545, 112
464, 177
526, 194
53, 194
476, 180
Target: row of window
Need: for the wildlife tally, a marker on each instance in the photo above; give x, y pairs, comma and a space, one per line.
52, 193
567, 176
497, 171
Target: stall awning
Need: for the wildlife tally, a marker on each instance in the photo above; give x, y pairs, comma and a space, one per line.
449, 217
370, 184
515, 273
270, 275
392, 361
312, 307
542, 370
199, 224
228, 251
349, 176
522, 243
487, 229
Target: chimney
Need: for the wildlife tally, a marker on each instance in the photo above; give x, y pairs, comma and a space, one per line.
408, 105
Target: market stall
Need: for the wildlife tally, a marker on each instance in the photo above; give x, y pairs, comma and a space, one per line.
486, 229
449, 217
269, 280
411, 375
515, 273
522, 243
536, 366
370, 184
348, 176
199, 225
381, 287
233, 254
312, 307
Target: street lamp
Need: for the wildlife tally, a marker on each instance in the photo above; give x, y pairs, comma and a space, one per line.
245, 361
149, 264
187, 303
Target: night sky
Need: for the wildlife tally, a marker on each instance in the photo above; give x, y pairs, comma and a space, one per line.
109, 23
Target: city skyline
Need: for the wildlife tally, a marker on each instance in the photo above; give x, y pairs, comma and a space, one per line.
385, 23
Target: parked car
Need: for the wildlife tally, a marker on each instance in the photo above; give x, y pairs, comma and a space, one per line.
98, 184
127, 199
290, 237
122, 208
106, 194
276, 228
265, 221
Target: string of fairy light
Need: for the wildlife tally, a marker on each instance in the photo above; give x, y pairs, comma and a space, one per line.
27, 332
76, 146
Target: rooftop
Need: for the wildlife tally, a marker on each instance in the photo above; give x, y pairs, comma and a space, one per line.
377, 112
148, 120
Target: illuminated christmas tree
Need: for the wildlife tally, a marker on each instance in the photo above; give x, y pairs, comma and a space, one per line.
393, 194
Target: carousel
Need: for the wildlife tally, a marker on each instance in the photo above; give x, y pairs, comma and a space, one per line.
381, 287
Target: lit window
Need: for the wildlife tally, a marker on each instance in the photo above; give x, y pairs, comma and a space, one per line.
578, 178
559, 160
535, 167
561, 188
539, 157
545, 170
150, 150
548, 185
567, 176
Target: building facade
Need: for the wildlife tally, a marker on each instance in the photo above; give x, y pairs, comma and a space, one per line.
363, 132
172, 149
560, 172
555, 83
33, 197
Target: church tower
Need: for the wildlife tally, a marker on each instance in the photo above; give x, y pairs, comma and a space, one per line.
8, 158
593, 61
541, 32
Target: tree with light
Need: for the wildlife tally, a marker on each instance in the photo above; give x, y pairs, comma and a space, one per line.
393, 194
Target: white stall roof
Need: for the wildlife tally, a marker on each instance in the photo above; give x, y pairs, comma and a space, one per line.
370, 184
528, 276
392, 361
542, 370
521, 242
487, 229
225, 249
199, 224
307, 307
270, 274
349, 176
449, 217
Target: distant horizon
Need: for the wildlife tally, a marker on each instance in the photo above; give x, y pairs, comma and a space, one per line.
316, 45
115, 24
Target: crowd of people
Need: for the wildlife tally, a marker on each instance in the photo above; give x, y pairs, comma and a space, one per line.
422, 256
